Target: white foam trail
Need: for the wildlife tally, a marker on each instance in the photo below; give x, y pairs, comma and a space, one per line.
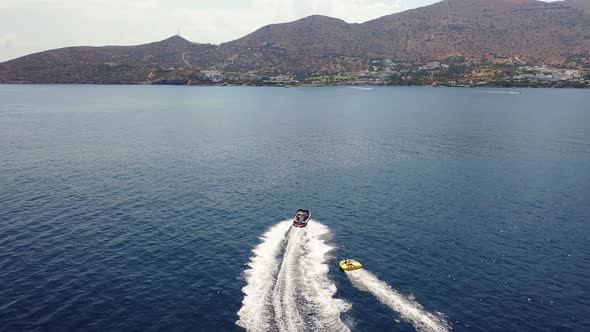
292, 292
408, 308
319, 289
288, 315
256, 311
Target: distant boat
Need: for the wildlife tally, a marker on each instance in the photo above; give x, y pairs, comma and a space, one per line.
301, 218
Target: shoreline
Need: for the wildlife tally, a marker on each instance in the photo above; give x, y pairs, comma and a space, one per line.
494, 86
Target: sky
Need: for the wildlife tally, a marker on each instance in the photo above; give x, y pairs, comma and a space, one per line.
28, 26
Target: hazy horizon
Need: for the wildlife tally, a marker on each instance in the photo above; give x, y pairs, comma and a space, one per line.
30, 26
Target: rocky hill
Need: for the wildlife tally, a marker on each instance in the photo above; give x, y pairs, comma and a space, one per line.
478, 30
472, 31
108, 64
580, 4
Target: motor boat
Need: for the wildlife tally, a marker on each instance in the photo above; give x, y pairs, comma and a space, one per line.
301, 218
350, 265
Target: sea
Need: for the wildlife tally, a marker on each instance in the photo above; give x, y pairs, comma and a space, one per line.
160, 208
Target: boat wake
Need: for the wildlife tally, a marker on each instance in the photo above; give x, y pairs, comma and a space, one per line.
361, 88
501, 92
287, 284
409, 310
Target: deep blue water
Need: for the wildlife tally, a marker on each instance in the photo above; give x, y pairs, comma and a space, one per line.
135, 208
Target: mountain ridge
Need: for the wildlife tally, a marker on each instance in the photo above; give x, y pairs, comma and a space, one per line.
579, 4
475, 31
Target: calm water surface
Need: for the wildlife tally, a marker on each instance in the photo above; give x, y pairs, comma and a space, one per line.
136, 208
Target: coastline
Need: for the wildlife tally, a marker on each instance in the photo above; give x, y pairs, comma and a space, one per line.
437, 85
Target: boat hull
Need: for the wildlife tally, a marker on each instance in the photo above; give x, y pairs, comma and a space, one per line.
301, 219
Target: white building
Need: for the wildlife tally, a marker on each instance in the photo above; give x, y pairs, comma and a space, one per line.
212, 75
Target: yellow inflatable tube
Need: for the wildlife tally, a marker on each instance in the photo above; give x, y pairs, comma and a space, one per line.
350, 265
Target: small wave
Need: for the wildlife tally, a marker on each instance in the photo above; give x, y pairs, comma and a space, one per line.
409, 310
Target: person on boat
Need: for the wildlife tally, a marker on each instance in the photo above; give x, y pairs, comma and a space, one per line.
349, 263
